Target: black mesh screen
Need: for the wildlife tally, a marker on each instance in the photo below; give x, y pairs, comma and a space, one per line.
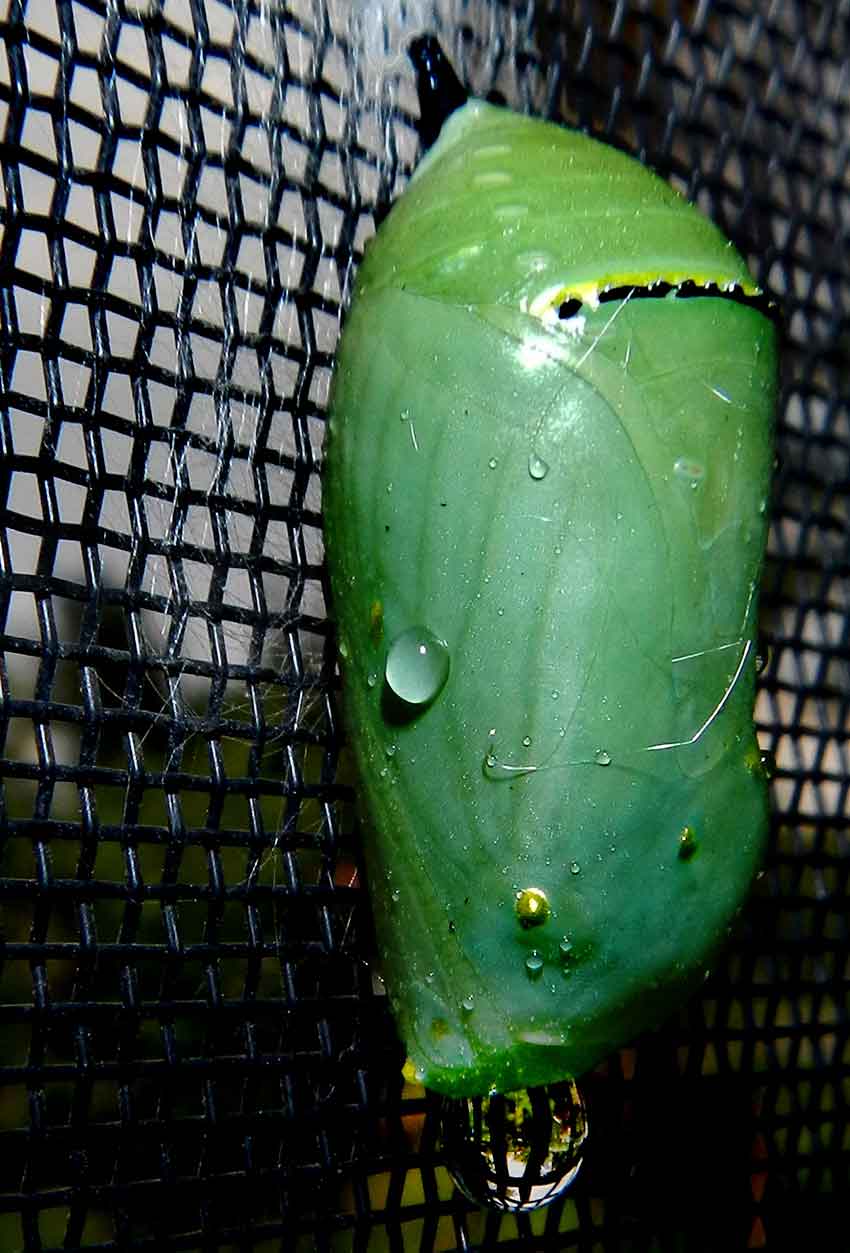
196, 1051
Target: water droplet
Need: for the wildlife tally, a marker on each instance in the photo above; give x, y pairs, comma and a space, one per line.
692, 472
768, 763
467, 1005
687, 843
537, 467
532, 907
515, 1152
343, 650
389, 488
526, 739
395, 895
575, 868
492, 463
391, 750
602, 757
404, 415
565, 948
371, 679
534, 965
417, 666
555, 694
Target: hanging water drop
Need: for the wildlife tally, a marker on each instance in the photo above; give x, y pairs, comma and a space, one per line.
575, 868
371, 679
602, 757
537, 467
492, 463
518, 1151
565, 948
417, 666
526, 740
467, 1005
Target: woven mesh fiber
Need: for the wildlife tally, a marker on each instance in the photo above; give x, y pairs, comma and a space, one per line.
196, 1051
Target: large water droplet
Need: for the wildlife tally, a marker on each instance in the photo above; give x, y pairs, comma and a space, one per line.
532, 907
537, 467
575, 868
602, 757
515, 1152
467, 1005
417, 666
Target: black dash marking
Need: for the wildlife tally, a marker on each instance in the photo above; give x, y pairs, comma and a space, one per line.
687, 290
569, 308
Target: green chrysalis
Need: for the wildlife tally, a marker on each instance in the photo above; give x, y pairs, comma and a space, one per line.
546, 471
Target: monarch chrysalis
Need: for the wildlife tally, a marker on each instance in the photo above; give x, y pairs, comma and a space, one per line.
546, 471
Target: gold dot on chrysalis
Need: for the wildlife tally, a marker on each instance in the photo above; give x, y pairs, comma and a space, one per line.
532, 907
